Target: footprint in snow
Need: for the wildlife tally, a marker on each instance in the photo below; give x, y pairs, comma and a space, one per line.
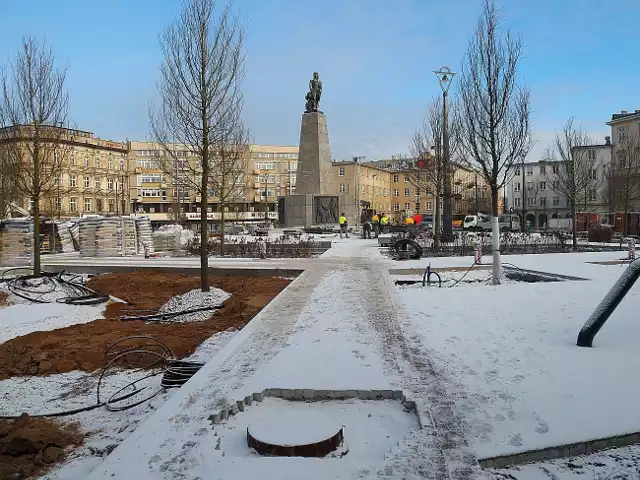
516, 440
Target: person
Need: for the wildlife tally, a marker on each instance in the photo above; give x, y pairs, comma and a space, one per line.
343, 225
366, 229
409, 220
384, 221
376, 223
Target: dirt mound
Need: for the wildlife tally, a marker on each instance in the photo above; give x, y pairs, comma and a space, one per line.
29, 446
3, 299
82, 347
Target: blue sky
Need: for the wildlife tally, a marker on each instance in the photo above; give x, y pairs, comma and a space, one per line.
375, 58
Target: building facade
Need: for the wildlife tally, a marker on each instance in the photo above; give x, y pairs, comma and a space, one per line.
623, 185
363, 185
90, 175
535, 188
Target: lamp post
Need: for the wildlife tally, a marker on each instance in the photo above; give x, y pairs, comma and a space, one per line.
373, 192
445, 77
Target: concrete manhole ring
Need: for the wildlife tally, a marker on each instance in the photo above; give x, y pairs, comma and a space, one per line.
295, 434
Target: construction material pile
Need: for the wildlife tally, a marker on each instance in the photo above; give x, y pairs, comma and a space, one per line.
145, 235
171, 238
66, 238
87, 237
16, 242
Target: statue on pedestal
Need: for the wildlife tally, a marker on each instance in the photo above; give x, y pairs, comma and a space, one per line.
314, 94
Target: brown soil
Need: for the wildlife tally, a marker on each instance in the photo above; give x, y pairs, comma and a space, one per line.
82, 347
3, 299
29, 446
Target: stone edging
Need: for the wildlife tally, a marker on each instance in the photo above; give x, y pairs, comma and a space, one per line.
561, 451
311, 395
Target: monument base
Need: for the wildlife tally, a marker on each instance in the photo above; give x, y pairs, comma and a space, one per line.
310, 210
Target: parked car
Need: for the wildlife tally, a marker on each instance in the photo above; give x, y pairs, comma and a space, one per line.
482, 223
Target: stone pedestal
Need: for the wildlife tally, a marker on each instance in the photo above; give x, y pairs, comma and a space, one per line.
314, 174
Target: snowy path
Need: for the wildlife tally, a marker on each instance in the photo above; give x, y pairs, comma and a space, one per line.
340, 325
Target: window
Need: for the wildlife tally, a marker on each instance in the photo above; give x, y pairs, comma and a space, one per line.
110, 183
554, 185
112, 204
516, 187
516, 202
341, 170
591, 154
594, 174
407, 206
556, 169
72, 180
556, 201
396, 207
417, 207
428, 206
96, 162
87, 204
568, 202
543, 170
396, 192
57, 180
396, 177
529, 186
58, 204
543, 201
151, 192
342, 189
406, 192
543, 185
530, 201
87, 181
406, 179
98, 183
121, 164
73, 160
73, 204
266, 179
593, 196
529, 170
110, 166
417, 192
517, 172
265, 166
269, 192
622, 134
86, 161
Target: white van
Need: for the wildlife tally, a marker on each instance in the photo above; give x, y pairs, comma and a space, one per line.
482, 223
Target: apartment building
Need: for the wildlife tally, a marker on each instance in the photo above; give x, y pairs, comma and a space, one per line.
623, 179
536, 190
362, 184
93, 177
164, 186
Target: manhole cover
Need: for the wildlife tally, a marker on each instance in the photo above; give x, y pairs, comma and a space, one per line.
295, 434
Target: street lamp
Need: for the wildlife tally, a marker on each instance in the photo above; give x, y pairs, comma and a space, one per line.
445, 77
373, 192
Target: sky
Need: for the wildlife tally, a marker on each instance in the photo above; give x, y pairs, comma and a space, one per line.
375, 58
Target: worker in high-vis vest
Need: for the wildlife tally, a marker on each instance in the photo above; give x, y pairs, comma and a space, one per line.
343, 225
409, 220
384, 221
376, 224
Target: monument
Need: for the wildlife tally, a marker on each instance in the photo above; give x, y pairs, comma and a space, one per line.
316, 201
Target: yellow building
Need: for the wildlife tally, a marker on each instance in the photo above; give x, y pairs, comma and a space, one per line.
363, 185
89, 177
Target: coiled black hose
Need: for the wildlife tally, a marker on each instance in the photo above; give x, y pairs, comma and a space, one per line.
77, 293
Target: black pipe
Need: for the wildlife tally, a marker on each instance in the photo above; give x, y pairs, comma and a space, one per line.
608, 304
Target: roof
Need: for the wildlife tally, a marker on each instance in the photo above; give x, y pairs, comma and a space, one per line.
624, 117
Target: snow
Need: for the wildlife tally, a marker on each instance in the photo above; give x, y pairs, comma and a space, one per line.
22, 318
194, 299
104, 429
517, 378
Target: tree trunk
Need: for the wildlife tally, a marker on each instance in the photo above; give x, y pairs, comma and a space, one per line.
204, 237
574, 226
495, 237
36, 207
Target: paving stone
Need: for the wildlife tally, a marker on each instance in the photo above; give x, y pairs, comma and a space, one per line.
350, 394
322, 394
308, 394
297, 394
276, 392
364, 394
386, 394
241, 405
258, 396
397, 394
287, 393
248, 400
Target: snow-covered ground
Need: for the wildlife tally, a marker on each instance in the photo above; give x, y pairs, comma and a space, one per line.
194, 299
104, 429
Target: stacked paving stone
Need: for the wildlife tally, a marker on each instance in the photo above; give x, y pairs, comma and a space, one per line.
130, 235
145, 235
16, 242
87, 237
74, 231
109, 237
66, 239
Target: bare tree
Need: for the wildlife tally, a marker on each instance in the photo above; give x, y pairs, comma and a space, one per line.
495, 111
626, 175
35, 107
8, 187
575, 169
427, 149
201, 100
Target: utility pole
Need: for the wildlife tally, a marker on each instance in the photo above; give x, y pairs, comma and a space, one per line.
445, 76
